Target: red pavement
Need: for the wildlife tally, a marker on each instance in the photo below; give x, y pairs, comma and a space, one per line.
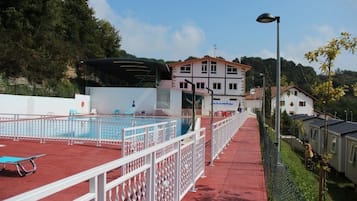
61, 160
238, 174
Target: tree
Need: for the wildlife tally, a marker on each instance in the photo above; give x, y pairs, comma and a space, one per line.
355, 89
43, 40
325, 90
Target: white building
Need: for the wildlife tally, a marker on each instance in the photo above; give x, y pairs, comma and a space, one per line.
293, 100
225, 78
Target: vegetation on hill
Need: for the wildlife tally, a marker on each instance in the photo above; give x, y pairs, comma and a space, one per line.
43, 41
291, 73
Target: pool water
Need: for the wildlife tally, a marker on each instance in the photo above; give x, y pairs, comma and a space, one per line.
110, 127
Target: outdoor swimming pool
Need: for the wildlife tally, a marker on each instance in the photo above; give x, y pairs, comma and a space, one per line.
108, 127
112, 127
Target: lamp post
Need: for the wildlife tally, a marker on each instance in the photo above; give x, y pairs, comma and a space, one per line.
193, 103
267, 18
351, 116
211, 125
263, 98
345, 115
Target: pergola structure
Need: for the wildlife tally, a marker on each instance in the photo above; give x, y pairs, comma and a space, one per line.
124, 72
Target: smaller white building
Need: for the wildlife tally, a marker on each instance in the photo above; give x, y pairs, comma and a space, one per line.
293, 100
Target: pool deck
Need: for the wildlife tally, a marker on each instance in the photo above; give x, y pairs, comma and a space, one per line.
237, 175
61, 160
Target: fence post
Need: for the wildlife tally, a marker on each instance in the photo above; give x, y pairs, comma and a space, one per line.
101, 186
177, 172
99, 132
16, 127
194, 160
151, 178
93, 186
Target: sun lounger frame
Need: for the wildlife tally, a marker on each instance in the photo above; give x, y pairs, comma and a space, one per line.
19, 163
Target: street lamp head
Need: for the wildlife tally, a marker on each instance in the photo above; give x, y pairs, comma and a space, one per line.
267, 18
261, 74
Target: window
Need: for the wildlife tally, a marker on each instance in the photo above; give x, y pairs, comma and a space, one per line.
333, 144
200, 85
311, 132
314, 135
231, 70
185, 69
183, 85
282, 103
352, 156
204, 67
233, 99
213, 67
302, 103
291, 104
216, 85
295, 93
233, 86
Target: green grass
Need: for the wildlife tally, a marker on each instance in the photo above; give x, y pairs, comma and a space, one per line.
339, 188
306, 180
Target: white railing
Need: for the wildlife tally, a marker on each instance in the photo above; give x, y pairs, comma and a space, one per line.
223, 131
141, 137
102, 130
165, 171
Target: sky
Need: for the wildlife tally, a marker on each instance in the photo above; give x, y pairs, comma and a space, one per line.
175, 30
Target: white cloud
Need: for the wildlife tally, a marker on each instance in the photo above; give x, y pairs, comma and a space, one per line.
151, 40
102, 9
296, 51
322, 35
187, 40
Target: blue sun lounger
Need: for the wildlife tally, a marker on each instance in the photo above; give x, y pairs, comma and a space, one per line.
20, 163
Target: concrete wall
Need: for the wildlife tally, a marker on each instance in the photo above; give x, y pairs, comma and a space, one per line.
175, 105
17, 104
105, 100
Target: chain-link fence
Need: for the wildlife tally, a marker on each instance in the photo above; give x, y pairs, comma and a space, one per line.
277, 177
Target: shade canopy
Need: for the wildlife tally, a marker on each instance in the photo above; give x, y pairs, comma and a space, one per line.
139, 72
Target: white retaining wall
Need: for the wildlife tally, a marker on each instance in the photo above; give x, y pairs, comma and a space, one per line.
17, 104
105, 100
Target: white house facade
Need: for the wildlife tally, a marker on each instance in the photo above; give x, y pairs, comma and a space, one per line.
293, 100
225, 78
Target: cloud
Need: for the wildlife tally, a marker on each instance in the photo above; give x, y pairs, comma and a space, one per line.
187, 40
323, 35
102, 9
151, 40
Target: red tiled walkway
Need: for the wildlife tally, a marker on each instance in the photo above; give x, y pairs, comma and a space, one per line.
238, 175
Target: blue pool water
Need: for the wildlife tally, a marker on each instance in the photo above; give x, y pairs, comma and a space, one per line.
99, 127
110, 127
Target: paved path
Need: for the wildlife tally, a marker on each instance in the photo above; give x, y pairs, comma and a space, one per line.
238, 174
